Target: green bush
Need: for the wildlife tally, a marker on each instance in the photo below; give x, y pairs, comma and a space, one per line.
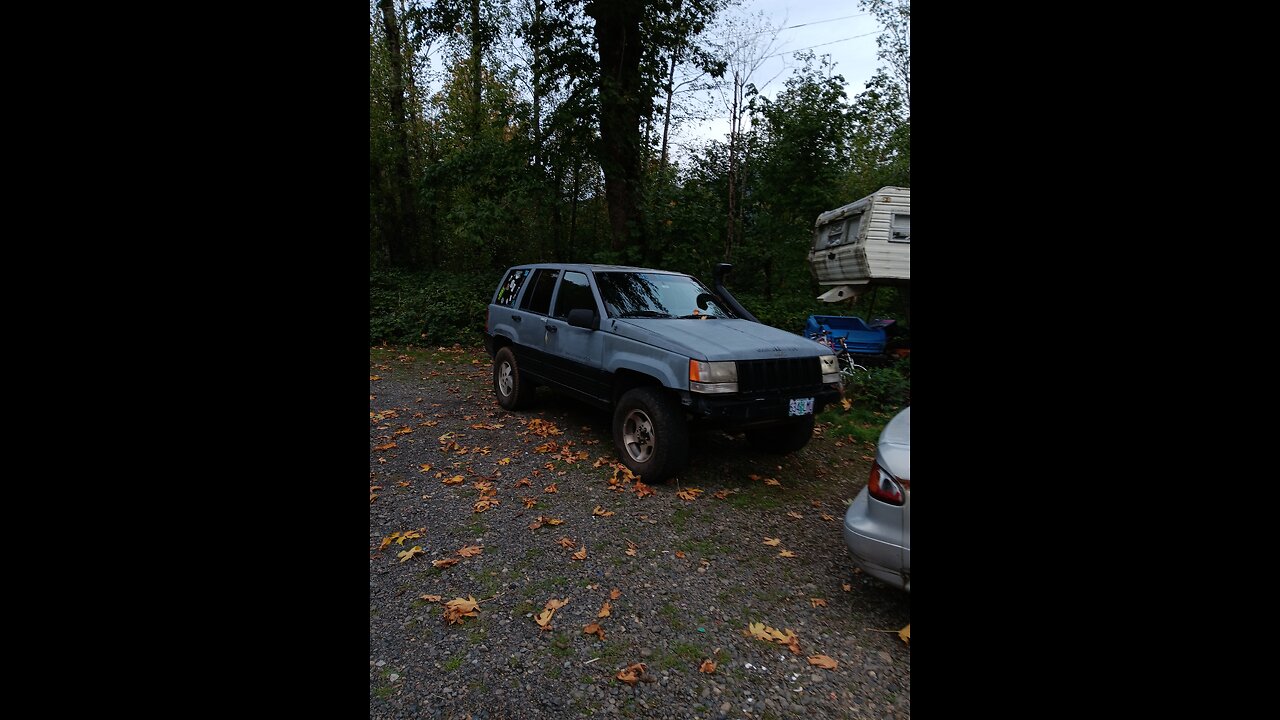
428, 308
880, 388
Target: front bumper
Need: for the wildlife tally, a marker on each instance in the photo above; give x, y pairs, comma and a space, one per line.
757, 408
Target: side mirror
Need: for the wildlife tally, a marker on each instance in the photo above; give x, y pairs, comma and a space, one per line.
584, 318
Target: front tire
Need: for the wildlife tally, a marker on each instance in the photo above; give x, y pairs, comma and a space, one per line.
513, 390
650, 433
783, 439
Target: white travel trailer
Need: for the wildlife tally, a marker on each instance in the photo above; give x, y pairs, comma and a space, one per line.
864, 243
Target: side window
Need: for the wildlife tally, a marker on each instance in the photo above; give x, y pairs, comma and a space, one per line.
575, 293
900, 228
537, 298
510, 287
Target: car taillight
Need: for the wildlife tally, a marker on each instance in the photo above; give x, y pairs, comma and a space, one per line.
884, 487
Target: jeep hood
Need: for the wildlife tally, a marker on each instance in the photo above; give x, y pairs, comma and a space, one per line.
720, 339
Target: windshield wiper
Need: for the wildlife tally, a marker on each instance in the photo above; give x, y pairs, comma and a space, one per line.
644, 314
697, 316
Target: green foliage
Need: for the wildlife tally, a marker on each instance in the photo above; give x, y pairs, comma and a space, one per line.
428, 308
881, 388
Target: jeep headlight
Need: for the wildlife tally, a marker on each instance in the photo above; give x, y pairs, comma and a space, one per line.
714, 377
830, 369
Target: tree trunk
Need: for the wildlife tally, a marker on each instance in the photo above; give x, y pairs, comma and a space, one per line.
617, 33
476, 80
400, 240
733, 166
666, 116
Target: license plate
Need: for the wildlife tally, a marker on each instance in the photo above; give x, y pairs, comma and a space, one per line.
801, 406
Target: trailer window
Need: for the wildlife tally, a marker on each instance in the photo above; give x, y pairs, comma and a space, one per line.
838, 232
900, 228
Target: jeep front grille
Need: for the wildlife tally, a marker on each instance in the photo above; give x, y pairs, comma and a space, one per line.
783, 374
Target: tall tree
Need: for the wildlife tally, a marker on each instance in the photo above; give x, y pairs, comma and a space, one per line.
404, 235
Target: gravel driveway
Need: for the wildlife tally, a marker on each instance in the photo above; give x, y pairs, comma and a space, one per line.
698, 574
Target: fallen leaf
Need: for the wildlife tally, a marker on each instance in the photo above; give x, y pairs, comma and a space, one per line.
471, 551
796, 515
411, 535
402, 484
536, 523
631, 673
604, 611
544, 619
445, 562
823, 661
411, 552
522, 482
846, 404
425, 467
643, 490
827, 517
760, 631
905, 634
753, 476
431, 598
772, 542
550, 488
455, 480
680, 554
529, 502
771, 481
721, 494
847, 587
385, 446
615, 594
554, 521
505, 461
594, 629
457, 608
631, 548
485, 503
786, 553
566, 542
689, 494
554, 604
581, 554
602, 512
818, 602
707, 667
374, 378
404, 431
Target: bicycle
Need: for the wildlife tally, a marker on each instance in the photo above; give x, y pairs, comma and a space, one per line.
848, 366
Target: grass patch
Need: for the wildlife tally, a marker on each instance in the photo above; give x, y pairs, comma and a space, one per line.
453, 663
384, 693
688, 652
679, 517
546, 585
476, 635
859, 424
561, 646
419, 603
755, 498
554, 672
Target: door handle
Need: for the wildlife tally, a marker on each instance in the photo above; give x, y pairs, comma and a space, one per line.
551, 328
516, 318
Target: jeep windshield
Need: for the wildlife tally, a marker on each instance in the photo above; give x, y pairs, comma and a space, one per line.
658, 295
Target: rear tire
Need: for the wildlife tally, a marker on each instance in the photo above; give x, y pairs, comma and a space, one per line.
509, 385
650, 434
783, 439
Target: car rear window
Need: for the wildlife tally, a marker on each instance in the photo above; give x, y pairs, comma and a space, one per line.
510, 287
575, 294
538, 297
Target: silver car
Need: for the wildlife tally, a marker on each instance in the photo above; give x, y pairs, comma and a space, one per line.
877, 526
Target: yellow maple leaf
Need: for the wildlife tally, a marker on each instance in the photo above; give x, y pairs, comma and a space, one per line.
846, 587
554, 521
505, 461
457, 608
471, 551
615, 594
772, 542
823, 661
529, 502
643, 490
404, 431
374, 378
602, 512
444, 562
796, 515
402, 484
689, 494
550, 488
604, 611
771, 481
721, 494
818, 602
554, 604
905, 634
410, 535
425, 467
680, 554
566, 542
707, 667
411, 552
455, 480
827, 517
537, 523
430, 598
786, 553
522, 482
581, 554
385, 446
594, 629
485, 503
846, 404
544, 619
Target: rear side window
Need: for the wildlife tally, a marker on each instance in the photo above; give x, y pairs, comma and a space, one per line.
575, 294
537, 298
510, 287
